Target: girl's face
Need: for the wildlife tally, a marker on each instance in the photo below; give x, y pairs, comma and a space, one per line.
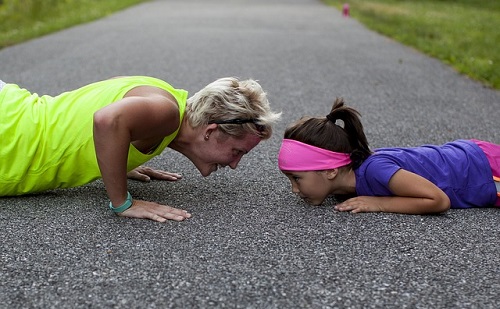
313, 187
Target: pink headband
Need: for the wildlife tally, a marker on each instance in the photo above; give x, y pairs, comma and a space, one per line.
300, 157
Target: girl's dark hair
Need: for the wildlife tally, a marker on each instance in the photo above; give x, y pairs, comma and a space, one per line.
327, 133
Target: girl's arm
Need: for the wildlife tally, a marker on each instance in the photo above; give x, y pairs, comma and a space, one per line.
413, 194
117, 125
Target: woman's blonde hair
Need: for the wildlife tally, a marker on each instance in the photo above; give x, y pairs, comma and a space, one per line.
238, 107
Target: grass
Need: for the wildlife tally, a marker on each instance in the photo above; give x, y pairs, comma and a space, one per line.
462, 33
21, 20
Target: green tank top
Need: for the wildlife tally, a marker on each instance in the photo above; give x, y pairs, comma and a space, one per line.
46, 142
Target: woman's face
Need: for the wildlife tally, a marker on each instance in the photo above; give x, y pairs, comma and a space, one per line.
313, 186
221, 150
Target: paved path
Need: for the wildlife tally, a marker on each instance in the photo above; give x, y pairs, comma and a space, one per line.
251, 243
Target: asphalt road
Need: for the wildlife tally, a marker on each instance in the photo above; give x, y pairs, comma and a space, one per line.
251, 243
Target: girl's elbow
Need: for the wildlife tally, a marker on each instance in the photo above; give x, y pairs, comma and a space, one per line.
443, 204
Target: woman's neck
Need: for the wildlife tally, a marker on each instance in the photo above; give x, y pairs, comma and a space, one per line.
185, 137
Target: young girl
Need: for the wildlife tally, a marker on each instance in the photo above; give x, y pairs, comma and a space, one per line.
330, 155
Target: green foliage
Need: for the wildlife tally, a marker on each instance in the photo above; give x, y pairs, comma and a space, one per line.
21, 20
461, 33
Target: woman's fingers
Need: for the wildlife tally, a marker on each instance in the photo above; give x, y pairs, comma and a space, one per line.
143, 173
170, 215
155, 212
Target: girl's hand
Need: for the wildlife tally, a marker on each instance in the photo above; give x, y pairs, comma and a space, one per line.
143, 173
154, 211
360, 204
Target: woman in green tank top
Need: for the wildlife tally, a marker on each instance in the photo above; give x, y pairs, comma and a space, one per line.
108, 129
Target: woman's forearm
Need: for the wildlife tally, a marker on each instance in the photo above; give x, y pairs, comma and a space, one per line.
112, 142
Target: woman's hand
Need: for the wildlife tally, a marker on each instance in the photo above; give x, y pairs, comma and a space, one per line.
143, 173
154, 211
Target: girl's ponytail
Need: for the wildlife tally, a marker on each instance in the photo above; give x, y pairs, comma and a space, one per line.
354, 129
341, 131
